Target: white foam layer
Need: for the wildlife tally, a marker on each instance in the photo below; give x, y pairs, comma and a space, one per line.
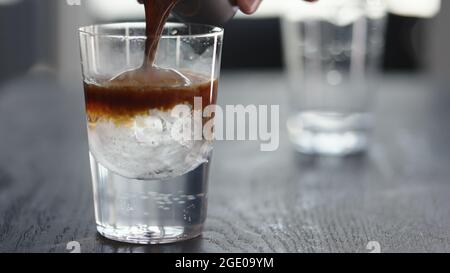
149, 148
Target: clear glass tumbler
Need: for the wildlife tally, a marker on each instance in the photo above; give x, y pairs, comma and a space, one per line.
333, 52
149, 186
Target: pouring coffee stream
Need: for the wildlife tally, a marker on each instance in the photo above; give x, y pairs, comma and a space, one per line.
156, 14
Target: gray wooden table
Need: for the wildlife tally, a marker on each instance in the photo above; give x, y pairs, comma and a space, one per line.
397, 194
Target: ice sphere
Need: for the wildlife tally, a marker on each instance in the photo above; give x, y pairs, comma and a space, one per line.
148, 148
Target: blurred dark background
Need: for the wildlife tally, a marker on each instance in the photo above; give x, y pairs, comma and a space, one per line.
406, 39
42, 35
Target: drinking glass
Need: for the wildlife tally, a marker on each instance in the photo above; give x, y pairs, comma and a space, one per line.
333, 50
149, 186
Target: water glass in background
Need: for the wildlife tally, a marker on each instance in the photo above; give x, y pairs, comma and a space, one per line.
333, 52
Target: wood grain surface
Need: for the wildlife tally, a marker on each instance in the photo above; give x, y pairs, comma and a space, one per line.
396, 194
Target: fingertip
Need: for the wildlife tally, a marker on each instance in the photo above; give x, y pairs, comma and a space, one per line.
249, 6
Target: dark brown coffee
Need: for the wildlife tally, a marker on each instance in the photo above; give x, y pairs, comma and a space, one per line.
120, 100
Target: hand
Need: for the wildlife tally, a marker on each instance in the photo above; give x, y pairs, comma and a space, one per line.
249, 6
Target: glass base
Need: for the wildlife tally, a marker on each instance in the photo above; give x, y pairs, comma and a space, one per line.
325, 133
149, 211
150, 234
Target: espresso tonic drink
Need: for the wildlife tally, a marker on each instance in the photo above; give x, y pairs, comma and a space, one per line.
143, 92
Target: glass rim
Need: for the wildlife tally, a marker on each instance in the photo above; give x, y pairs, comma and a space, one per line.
214, 31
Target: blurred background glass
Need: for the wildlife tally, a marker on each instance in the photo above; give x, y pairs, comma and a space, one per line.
332, 55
